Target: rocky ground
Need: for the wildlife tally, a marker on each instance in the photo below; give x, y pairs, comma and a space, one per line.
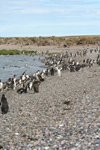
65, 114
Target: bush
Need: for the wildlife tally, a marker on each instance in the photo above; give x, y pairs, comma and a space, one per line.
52, 40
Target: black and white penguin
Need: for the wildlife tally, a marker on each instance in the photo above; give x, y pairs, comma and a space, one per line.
1, 85
4, 104
30, 84
77, 67
9, 83
42, 76
14, 82
72, 68
47, 72
58, 71
52, 71
22, 90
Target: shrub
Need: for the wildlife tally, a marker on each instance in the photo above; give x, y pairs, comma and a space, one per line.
52, 40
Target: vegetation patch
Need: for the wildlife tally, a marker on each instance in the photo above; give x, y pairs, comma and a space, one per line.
53, 53
16, 52
52, 40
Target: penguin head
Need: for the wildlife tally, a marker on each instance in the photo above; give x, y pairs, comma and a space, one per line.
3, 95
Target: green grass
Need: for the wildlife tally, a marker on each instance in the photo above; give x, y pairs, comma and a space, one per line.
53, 53
15, 52
9, 52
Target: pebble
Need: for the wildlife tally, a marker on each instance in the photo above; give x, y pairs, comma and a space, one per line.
43, 121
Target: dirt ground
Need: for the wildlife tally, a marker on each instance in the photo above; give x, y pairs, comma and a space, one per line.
46, 48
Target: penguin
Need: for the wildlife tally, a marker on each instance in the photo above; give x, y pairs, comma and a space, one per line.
22, 90
36, 86
1, 85
47, 72
30, 84
77, 67
58, 71
14, 82
52, 71
4, 104
72, 68
42, 76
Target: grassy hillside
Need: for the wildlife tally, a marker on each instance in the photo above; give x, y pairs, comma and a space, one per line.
46, 41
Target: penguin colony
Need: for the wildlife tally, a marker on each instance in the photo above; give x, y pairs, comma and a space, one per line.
56, 63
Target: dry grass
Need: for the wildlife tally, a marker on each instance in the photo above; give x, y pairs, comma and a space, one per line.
52, 40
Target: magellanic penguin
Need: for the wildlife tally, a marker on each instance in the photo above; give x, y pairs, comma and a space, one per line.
4, 104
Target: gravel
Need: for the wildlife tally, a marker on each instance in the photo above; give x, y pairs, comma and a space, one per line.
65, 114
